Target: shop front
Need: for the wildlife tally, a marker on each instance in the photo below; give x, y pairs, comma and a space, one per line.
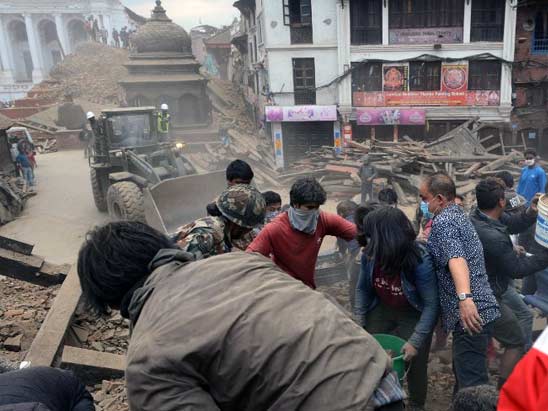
297, 130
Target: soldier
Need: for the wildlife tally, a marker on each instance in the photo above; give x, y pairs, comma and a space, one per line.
241, 208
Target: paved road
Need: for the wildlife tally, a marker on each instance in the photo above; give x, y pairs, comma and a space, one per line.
57, 219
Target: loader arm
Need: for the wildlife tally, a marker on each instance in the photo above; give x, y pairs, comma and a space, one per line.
146, 169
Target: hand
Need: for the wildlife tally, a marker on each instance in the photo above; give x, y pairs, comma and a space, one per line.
409, 352
533, 208
469, 316
519, 250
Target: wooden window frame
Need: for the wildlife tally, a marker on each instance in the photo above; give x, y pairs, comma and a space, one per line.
304, 81
429, 73
480, 77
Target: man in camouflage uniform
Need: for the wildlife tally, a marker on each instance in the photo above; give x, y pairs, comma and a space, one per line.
242, 207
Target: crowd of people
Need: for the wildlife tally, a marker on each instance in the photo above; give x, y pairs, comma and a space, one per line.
224, 315
119, 38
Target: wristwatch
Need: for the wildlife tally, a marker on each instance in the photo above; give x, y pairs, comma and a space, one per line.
464, 296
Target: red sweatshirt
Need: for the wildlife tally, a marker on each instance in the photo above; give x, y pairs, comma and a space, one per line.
296, 252
527, 387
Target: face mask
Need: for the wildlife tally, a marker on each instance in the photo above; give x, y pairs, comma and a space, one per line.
271, 215
425, 211
305, 221
530, 162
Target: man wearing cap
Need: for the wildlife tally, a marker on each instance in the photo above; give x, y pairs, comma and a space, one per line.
241, 208
367, 174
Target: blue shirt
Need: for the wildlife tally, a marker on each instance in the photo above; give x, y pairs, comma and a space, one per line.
23, 160
532, 181
454, 236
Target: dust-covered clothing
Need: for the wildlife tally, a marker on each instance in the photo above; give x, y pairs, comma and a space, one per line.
204, 237
52, 388
234, 332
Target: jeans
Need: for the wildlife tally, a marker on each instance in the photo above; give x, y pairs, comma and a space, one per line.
29, 175
524, 315
401, 322
367, 191
470, 357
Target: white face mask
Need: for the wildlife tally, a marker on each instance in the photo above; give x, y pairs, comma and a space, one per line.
530, 162
304, 221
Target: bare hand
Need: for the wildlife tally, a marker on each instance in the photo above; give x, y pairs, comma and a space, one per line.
469, 316
534, 202
519, 250
409, 352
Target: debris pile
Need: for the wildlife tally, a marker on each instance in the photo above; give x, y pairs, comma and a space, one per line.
401, 165
92, 73
111, 396
244, 140
105, 334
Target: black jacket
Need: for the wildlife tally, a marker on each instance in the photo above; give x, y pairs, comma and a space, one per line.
501, 261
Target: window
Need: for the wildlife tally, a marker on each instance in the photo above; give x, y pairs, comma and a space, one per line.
538, 95
406, 14
366, 77
484, 75
366, 21
298, 15
487, 20
540, 35
304, 81
260, 29
424, 75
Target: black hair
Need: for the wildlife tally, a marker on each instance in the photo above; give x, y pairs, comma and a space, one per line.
213, 210
478, 398
441, 184
530, 151
271, 197
391, 241
507, 177
388, 196
346, 208
239, 169
489, 192
307, 190
114, 258
359, 216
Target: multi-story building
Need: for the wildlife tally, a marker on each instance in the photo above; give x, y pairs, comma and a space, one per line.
37, 34
530, 119
388, 68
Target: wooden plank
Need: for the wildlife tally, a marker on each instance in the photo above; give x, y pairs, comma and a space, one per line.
19, 265
484, 139
50, 337
493, 147
14, 245
493, 165
355, 144
93, 362
474, 167
341, 169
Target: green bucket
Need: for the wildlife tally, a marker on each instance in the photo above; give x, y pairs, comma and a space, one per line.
394, 344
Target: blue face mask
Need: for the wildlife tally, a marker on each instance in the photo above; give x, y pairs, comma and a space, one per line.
425, 211
271, 215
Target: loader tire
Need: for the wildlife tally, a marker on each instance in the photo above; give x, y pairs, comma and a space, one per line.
99, 195
125, 202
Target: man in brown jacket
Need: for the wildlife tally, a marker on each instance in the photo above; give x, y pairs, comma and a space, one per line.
232, 332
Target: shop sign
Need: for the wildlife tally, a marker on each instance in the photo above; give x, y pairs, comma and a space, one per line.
395, 77
300, 113
390, 116
427, 35
347, 133
427, 98
454, 77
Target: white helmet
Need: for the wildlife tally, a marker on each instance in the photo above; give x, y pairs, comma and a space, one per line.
90, 115
164, 107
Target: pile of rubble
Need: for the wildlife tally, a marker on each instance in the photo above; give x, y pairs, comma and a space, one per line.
104, 334
401, 165
92, 73
245, 141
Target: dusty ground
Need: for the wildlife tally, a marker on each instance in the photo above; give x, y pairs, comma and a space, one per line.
57, 218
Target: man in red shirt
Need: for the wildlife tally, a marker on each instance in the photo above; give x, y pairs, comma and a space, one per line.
293, 239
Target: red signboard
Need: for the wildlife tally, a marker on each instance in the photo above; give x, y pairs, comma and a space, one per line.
454, 77
426, 98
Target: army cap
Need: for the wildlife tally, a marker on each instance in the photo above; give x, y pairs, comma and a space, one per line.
242, 204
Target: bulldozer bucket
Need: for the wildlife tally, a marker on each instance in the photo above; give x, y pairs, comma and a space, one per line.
178, 201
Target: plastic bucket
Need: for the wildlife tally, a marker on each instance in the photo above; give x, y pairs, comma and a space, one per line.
394, 344
541, 232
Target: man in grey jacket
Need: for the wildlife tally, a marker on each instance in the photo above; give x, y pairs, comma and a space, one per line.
232, 332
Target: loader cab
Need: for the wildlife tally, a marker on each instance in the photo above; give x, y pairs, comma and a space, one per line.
130, 127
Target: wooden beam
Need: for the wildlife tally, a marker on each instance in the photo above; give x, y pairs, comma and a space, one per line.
92, 365
14, 245
50, 337
31, 268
